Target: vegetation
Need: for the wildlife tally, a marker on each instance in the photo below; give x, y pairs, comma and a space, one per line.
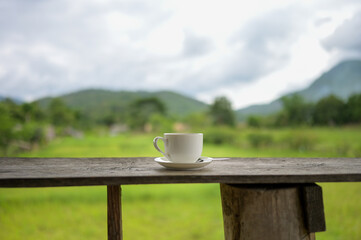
27, 126
142, 110
152, 211
221, 112
97, 104
352, 112
295, 111
60, 114
328, 111
327, 128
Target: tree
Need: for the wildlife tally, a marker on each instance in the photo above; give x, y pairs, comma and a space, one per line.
254, 121
60, 114
328, 111
141, 110
296, 111
352, 110
31, 111
13, 109
108, 120
221, 112
7, 123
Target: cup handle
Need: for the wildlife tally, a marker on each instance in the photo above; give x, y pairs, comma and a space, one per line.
155, 141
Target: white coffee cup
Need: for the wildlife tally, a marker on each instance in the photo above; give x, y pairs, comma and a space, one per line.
181, 147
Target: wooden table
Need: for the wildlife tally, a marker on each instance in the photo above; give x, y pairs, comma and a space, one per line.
262, 198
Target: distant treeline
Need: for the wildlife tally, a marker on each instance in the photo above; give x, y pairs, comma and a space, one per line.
26, 126
328, 111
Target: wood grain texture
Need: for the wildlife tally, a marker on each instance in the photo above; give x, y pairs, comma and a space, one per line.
44, 172
255, 212
313, 207
115, 231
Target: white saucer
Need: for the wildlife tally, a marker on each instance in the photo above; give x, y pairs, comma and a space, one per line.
183, 166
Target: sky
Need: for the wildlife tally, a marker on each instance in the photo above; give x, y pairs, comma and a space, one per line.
252, 52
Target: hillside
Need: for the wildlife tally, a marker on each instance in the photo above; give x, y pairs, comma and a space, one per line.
97, 103
16, 100
342, 80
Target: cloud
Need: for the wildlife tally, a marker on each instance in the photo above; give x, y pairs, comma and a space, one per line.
48, 48
131, 45
322, 20
195, 45
263, 44
54, 47
347, 37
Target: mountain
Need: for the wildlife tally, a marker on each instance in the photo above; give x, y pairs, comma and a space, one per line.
15, 100
342, 80
97, 103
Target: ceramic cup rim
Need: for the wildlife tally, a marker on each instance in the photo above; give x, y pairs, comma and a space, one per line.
183, 134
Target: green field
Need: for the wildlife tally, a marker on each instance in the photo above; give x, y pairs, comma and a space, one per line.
177, 211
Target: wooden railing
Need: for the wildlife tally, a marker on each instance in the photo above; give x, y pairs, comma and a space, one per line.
262, 198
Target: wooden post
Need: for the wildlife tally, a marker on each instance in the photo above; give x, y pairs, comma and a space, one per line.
313, 207
256, 212
115, 231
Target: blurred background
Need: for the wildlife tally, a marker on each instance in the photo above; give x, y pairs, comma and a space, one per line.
103, 78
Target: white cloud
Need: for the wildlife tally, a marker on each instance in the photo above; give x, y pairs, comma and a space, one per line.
347, 36
249, 51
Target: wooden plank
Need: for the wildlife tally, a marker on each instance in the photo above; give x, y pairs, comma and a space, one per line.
44, 172
253, 212
313, 208
115, 231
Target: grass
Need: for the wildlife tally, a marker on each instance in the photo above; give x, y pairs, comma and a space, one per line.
176, 211
149, 211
